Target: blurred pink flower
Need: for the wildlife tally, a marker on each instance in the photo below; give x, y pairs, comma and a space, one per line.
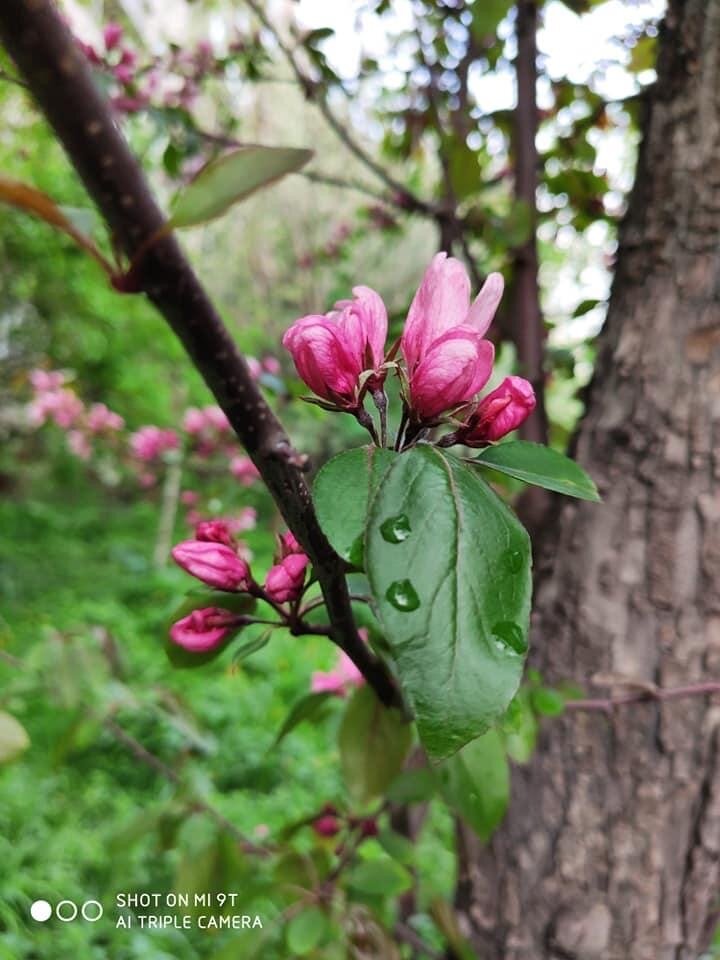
79, 444
271, 365
244, 470
150, 442
59, 404
112, 34
101, 419
340, 680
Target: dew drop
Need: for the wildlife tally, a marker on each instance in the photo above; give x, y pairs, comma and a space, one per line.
402, 596
396, 529
512, 560
509, 637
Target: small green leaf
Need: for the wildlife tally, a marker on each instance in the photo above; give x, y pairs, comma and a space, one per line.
520, 728
14, 739
252, 646
384, 878
397, 846
452, 593
230, 179
309, 707
547, 702
476, 783
305, 931
413, 786
585, 306
539, 465
341, 492
374, 741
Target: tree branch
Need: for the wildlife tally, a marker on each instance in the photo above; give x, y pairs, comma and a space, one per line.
316, 93
644, 693
61, 82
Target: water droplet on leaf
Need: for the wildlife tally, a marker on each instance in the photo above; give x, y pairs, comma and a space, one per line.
509, 637
402, 596
396, 529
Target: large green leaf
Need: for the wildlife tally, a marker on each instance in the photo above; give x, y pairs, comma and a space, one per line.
452, 592
13, 737
231, 178
342, 490
476, 783
374, 741
305, 931
540, 465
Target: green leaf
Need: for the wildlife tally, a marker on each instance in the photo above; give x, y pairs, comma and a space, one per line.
374, 741
341, 492
397, 846
413, 786
453, 594
230, 179
585, 306
547, 702
308, 707
487, 16
252, 646
305, 931
520, 728
476, 783
14, 739
384, 878
540, 465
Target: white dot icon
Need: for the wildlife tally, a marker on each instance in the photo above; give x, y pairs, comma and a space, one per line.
41, 911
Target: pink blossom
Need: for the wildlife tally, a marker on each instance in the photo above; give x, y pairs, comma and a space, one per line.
448, 360
112, 34
149, 443
244, 470
193, 421
500, 412
42, 380
101, 419
204, 629
79, 444
330, 352
215, 564
215, 531
60, 405
216, 419
327, 825
246, 519
254, 366
271, 365
284, 582
189, 498
339, 680
123, 73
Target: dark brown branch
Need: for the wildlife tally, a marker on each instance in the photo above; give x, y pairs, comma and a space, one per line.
527, 317
61, 82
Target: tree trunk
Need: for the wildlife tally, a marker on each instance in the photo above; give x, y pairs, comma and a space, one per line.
611, 849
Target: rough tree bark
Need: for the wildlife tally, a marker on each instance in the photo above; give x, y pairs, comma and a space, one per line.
611, 849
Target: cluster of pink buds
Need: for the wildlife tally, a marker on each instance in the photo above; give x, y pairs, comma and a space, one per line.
215, 557
58, 403
447, 361
330, 821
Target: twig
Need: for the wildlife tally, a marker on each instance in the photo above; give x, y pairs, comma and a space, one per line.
406, 933
61, 82
644, 694
141, 753
405, 197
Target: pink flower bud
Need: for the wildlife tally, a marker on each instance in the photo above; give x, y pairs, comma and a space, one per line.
284, 581
193, 421
101, 419
327, 826
244, 470
148, 443
271, 365
214, 531
112, 33
254, 366
501, 411
448, 361
288, 544
216, 419
330, 352
203, 630
215, 564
